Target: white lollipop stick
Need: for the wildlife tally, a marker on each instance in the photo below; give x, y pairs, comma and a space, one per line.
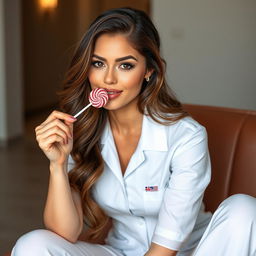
82, 110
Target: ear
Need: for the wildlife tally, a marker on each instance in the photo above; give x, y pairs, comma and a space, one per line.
148, 73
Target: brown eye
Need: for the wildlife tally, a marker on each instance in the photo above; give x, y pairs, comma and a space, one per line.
97, 64
127, 66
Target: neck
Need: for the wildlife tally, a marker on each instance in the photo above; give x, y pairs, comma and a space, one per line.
125, 121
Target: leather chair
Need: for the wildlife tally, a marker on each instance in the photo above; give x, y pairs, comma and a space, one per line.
232, 146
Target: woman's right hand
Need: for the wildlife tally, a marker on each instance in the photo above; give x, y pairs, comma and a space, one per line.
55, 136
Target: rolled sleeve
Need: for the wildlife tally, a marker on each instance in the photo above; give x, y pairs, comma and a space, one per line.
190, 175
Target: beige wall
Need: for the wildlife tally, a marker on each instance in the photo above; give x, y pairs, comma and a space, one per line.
210, 48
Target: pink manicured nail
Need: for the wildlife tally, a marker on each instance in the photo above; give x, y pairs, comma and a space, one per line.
71, 118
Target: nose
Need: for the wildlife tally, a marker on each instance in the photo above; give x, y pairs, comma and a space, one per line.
110, 76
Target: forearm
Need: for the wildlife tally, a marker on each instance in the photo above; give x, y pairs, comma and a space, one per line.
157, 250
61, 214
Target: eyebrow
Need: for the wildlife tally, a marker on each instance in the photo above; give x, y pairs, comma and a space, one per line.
117, 60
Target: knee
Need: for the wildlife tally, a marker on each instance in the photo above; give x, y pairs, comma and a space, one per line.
37, 242
240, 208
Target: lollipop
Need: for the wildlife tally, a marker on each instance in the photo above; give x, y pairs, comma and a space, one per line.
98, 98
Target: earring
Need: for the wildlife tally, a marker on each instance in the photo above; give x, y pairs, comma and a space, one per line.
147, 79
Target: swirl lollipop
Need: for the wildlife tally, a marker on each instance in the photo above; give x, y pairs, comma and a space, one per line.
98, 98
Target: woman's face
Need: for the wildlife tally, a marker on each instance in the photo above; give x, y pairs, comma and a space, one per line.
120, 69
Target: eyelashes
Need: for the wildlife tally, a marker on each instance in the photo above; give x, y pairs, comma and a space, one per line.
123, 66
97, 64
127, 66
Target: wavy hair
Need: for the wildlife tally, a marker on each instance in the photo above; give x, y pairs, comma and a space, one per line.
155, 99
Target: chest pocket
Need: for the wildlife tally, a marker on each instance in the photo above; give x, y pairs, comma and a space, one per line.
153, 201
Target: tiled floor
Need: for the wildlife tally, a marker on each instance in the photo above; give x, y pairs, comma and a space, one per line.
23, 186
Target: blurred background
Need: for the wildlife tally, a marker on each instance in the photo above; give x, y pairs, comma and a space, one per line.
209, 46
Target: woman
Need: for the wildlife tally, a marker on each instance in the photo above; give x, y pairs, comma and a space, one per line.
140, 160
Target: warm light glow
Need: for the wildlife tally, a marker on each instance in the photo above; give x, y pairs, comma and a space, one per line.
48, 4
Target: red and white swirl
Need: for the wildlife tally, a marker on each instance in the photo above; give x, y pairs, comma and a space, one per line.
98, 97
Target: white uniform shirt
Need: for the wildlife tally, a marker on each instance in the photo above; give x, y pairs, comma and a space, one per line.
173, 162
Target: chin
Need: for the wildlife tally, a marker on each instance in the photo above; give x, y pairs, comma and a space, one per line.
111, 107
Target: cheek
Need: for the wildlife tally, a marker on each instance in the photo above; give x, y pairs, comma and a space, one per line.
133, 81
93, 78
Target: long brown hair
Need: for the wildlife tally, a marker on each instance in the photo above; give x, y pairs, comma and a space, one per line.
156, 99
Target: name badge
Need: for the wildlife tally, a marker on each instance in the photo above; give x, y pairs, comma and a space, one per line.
151, 188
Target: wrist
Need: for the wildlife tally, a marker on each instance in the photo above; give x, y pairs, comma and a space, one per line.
156, 250
57, 167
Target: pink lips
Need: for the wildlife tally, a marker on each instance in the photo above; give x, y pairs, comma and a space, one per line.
112, 93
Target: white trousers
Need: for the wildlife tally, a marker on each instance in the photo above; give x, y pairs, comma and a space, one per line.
231, 232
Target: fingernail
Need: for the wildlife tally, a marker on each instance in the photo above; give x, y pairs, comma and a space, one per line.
71, 118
